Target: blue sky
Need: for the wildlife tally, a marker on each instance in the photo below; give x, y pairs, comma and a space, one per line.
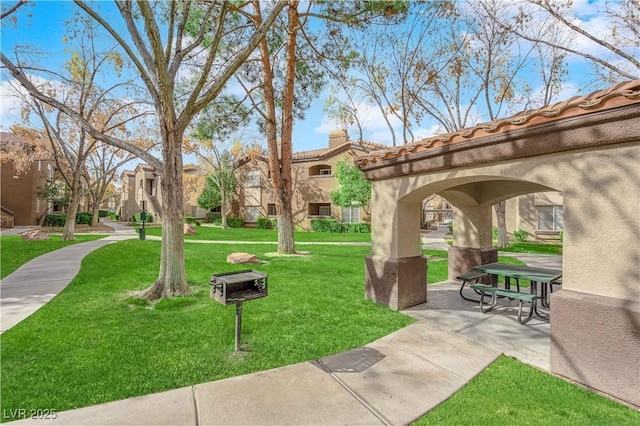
45, 29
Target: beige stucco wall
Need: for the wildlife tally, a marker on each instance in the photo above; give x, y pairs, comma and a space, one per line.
601, 204
522, 213
306, 189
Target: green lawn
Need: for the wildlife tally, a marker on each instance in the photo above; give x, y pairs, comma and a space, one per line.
14, 252
262, 235
534, 248
511, 393
91, 344
94, 344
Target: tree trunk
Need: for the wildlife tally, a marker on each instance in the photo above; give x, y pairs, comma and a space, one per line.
95, 219
285, 225
223, 208
70, 222
279, 167
284, 185
503, 237
172, 278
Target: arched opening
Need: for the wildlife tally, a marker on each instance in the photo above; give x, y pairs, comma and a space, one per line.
320, 170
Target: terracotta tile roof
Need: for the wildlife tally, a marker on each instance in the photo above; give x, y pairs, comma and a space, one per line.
624, 93
327, 152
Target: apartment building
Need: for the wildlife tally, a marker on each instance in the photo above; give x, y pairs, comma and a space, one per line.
314, 179
19, 201
141, 189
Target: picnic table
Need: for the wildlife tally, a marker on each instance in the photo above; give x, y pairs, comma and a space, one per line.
542, 277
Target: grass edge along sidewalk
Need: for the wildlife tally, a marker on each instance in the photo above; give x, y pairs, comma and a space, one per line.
14, 252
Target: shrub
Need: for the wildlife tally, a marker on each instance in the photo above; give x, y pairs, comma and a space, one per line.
138, 218
235, 222
114, 216
190, 220
198, 223
521, 236
494, 233
359, 228
264, 223
450, 224
325, 225
54, 220
213, 217
84, 218
561, 236
274, 223
332, 225
104, 213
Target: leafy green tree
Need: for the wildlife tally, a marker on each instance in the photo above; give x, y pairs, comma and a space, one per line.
354, 188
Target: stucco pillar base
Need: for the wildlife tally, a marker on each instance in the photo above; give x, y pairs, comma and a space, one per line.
595, 340
463, 259
398, 283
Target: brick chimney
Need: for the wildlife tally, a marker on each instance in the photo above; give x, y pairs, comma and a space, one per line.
337, 138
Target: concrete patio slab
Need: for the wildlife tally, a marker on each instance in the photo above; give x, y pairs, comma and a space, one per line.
528, 343
452, 352
401, 386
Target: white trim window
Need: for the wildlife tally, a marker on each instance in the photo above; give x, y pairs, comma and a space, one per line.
550, 218
351, 214
253, 179
253, 213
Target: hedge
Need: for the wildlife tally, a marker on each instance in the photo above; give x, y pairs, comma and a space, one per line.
104, 213
332, 225
235, 222
84, 218
264, 223
213, 217
148, 217
54, 220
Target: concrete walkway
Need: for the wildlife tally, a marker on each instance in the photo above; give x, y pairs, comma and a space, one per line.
391, 381
36, 282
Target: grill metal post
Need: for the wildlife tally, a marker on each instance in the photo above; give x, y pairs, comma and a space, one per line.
235, 288
238, 324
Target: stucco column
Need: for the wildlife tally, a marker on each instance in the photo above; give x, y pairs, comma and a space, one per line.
595, 318
396, 270
472, 243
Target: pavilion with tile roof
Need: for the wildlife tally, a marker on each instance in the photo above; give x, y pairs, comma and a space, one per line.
588, 148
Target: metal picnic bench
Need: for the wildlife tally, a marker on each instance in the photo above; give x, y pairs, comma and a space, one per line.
546, 277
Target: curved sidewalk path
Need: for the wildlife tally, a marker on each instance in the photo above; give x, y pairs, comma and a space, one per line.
391, 381
36, 282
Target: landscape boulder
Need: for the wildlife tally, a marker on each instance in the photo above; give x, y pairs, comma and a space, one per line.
34, 235
242, 258
189, 229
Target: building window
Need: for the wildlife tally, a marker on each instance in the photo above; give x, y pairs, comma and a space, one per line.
253, 212
271, 210
320, 209
253, 179
49, 171
351, 214
550, 218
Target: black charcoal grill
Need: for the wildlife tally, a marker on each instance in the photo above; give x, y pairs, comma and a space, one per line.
238, 287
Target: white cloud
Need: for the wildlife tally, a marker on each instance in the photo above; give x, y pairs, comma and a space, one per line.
10, 103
